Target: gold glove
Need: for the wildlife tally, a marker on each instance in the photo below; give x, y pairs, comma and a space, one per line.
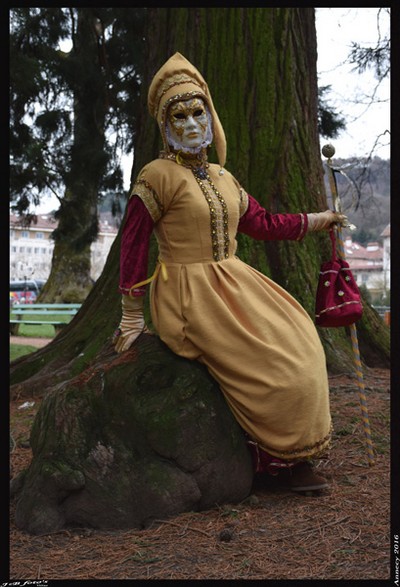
324, 220
132, 323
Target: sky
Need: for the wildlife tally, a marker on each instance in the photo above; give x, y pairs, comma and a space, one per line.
350, 92
337, 28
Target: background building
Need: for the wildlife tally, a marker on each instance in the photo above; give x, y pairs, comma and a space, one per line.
31, 247
370, 265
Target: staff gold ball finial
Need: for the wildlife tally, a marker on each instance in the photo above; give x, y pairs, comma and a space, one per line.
328, 150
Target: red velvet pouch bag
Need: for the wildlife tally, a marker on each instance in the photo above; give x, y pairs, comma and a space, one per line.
338, 300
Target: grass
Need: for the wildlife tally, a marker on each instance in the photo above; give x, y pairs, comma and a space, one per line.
36, 330
32, 331
19, 350
41, 330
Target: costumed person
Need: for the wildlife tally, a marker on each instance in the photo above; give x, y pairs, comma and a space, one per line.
206, 304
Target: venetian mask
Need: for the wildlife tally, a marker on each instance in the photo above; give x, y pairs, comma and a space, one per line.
189, 125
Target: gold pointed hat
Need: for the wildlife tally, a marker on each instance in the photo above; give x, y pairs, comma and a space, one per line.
176, 80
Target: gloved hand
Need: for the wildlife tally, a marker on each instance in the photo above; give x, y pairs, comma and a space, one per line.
132, 323
324, 220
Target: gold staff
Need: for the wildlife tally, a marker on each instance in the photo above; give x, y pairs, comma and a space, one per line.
328, 151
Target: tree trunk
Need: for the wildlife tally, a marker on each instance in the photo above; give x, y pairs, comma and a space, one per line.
77, 216
128, 438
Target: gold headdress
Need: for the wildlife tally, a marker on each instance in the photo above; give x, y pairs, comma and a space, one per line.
178, 79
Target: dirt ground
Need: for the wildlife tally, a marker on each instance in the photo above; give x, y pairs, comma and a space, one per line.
36, 342
344, 533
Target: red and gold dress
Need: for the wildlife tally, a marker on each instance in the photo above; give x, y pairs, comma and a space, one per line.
255, 339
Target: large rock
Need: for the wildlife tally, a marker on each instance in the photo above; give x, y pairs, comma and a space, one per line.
138, 436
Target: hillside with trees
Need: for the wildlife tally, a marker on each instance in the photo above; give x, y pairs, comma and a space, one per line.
365, 195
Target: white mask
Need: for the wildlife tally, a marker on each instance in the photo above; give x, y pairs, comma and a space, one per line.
188, 126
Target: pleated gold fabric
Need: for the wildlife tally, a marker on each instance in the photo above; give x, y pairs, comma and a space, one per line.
256, 340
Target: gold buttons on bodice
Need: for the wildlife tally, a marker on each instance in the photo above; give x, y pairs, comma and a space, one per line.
218, 215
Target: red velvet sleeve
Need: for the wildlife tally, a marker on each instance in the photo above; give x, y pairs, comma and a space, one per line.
134, 252
262, 225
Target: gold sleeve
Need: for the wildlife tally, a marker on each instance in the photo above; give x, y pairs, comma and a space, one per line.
149, 197
156, 186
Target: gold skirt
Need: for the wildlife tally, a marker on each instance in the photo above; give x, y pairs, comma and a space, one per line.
257, 342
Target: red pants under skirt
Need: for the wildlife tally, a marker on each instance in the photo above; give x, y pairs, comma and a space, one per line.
264, 462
